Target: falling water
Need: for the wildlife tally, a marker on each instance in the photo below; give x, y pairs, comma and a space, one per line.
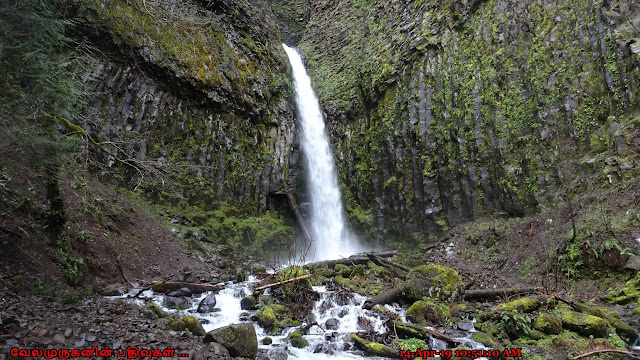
331, 239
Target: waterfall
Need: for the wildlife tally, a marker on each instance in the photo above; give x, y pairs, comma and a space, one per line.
331, 239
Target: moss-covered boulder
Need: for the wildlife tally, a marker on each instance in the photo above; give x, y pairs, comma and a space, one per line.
434, 281
297, 340
248, 303
548, 323
153, 311
239, 339
266, 317
523, 305
583, 324
484, 339
188, 323
630, 293
428, 311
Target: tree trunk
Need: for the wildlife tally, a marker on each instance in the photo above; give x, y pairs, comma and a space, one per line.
385, 297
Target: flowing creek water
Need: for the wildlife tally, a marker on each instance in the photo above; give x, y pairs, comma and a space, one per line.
324, 342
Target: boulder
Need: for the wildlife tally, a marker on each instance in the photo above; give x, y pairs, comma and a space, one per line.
248, 303
332, 324
266, 317
217, 349
583, 324
435, 281
522, 305
427, 311
175, 302
207, 304
548, 324
188, 323
239, 339
633, 263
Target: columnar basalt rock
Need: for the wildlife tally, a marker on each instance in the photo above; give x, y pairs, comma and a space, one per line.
445, 111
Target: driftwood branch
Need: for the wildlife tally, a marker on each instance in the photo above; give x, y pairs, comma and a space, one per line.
353, 260
492, 293
385, 297
602, 351
296, 211
122, 272
284, 282
424, 333
159, 286
386, 262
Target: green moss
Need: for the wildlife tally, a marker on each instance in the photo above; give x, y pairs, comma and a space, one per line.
188, 323
291, 272
266, 317
582, 323
435, 281
485, 339
157, 311
525, 305
548, 323
429, 311
411, 344
628, 294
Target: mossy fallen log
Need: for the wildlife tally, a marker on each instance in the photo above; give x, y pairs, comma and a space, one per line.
354, 260
494, 293
385, 297
378, 260
375, 348
424, 333
626, 332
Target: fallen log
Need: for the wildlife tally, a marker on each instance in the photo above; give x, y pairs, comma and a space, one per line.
387, 263
625, 331
385, 297
122, 272
159, 286
354, 260
284, 282
602, 351
493, 293
424, 333
375, 348
382, 254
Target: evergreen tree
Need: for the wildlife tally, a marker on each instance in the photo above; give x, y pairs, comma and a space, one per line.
40, 67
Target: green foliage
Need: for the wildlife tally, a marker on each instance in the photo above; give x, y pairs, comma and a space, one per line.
255, 234
411, 344
295, 287
515, 324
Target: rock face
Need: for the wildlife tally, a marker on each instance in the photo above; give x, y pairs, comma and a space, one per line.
435, 281
239, 339
440, 111
194, 98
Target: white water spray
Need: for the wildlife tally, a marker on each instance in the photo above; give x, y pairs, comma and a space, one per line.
331, 239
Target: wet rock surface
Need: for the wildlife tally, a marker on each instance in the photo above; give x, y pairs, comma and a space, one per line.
29, 321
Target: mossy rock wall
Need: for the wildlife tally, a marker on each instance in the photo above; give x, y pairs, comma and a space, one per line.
196, 97
444, 111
